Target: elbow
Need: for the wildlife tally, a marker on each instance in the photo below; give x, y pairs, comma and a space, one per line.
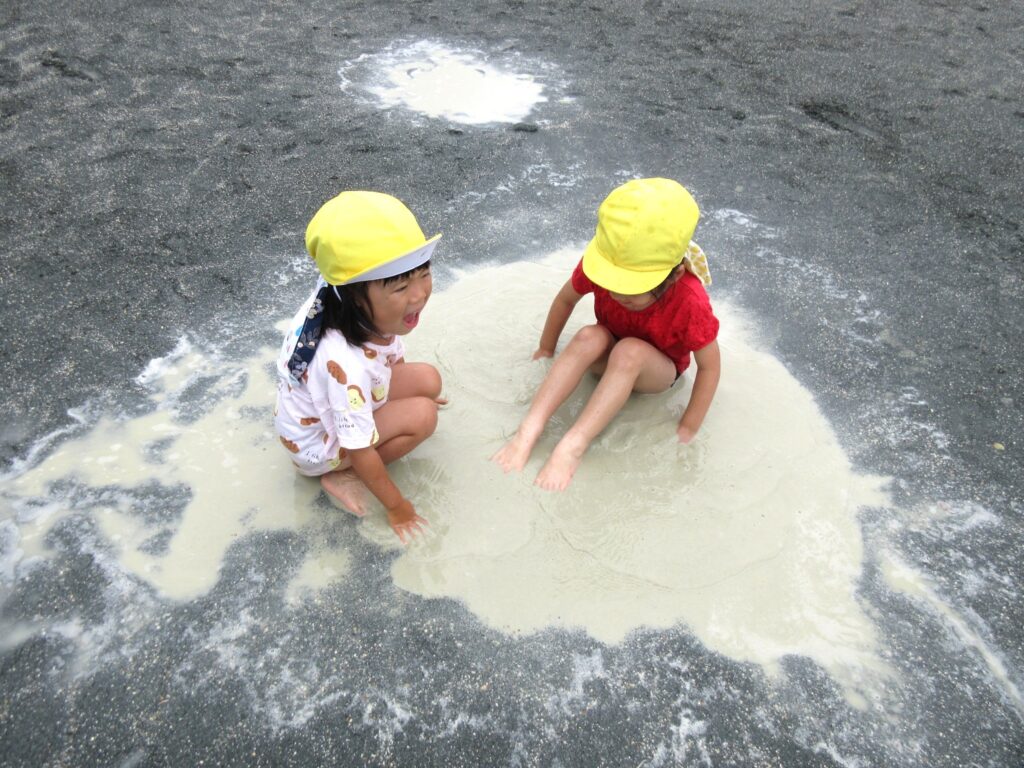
565, 306
709, 359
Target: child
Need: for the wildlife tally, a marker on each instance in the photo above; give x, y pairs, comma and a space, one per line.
348, 403
652, 312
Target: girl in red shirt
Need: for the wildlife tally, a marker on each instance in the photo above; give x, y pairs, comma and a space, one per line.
652, 313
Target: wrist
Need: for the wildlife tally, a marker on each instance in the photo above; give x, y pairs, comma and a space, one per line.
691, 423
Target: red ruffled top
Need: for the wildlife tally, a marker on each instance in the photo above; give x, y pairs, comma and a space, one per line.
678, 323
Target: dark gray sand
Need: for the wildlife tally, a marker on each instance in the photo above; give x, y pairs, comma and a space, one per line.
160, 162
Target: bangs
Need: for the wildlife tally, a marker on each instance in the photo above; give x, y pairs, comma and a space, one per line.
408, 273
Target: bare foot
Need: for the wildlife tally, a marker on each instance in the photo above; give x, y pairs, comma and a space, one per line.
346, 488
515, 453
557, 472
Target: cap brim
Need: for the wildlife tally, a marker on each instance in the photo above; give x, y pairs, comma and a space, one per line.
616, 279
400, 264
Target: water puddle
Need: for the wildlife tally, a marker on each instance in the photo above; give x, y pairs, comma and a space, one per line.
438, 81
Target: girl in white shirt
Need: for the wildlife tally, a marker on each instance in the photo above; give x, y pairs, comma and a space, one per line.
348, 403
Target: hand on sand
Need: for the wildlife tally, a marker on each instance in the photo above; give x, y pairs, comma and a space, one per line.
542, 353
405, 522
685, 434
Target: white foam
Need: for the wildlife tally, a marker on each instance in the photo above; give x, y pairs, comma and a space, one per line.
742, 223
442, 82
902, 577
685, 734
158, 367
135, 758
584, 669
78, 418
10, 552
296, 268
385, 712
461, 720
283, 684
70, 630
524, 181
847, 762
977, 517
949, 518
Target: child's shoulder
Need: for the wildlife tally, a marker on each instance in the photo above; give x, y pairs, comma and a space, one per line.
333, 345
579, 280
688, 287
688, 300
338, 360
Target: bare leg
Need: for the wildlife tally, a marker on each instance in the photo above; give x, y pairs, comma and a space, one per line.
590, 344
404, 424
407, 419
414, 379
633, 366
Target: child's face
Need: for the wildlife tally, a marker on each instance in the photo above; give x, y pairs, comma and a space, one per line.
395, 308
634, 302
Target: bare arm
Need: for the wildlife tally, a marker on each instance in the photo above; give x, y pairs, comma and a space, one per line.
369, 467
561, 308
709, 369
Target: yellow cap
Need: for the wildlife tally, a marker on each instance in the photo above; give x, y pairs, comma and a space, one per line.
643, 230
360, 236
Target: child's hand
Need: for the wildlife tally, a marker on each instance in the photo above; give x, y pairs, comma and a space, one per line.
685, 434
404, 521
542, 353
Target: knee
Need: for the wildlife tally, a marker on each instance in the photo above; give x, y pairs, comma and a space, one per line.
420, 379
431, 383
591, 340
628, 354
424, 415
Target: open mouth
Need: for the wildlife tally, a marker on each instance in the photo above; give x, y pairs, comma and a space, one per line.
411, 320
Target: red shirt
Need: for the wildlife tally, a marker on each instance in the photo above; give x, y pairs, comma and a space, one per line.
677, 323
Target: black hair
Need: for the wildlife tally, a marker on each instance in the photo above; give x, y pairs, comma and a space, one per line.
350, 315
661, 287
